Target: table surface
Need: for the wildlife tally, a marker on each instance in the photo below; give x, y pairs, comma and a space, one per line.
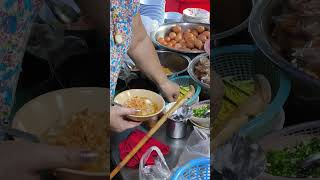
176, 149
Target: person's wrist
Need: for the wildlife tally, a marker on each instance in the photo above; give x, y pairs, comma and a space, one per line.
161, 81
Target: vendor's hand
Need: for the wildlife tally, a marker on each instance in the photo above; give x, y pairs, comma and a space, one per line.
170, 90
25, 160
119, 121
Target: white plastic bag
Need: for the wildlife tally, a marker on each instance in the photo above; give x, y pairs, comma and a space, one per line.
158, 171
198, 145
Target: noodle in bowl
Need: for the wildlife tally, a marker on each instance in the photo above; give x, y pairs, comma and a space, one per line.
148, 102
63, 107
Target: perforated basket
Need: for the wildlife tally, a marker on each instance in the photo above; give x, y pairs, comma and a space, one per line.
289, 137
195, 169
243, 62
187, 81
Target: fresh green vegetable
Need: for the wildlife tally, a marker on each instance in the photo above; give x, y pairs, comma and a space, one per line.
201, 111
238, 91
184, 89
286, 162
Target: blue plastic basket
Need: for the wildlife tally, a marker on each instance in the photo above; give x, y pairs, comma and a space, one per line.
186, 81
243, 62
197, 169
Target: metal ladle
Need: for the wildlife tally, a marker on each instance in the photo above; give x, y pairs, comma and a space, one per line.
15, 133
63, 12
311, 160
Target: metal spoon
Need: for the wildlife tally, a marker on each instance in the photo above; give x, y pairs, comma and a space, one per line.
207, 114
63, 12
14, 133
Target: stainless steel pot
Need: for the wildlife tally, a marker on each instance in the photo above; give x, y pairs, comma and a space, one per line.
176, 129
305, 86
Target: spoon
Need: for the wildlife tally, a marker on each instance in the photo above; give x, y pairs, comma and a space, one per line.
64, 13
207, 114
21, 134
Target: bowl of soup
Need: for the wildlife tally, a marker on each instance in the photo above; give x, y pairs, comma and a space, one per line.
72, 118
147, 103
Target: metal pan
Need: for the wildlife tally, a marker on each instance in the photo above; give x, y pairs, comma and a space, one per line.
193, 75
163, 30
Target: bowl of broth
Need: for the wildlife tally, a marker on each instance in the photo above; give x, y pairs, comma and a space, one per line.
148, 103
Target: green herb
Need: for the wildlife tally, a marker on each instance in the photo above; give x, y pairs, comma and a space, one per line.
201, 111
286, 162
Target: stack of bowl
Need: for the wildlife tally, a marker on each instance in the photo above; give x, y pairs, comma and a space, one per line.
155, 9
172, 17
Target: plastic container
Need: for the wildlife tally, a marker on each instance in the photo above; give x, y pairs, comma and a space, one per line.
244, 61
187, 81
194, 169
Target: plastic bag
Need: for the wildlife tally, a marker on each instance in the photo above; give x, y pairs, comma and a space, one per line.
239, 159
158, 171
198, 145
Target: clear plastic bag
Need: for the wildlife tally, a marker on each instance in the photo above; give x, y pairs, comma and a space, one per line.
158, 171
198, 145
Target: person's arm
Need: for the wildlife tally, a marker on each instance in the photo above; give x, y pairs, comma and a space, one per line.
144, 54
146, 59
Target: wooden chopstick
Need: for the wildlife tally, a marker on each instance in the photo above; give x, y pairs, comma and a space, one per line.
163, 119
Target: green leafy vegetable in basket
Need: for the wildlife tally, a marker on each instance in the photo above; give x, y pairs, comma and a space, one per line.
286, 162
236, 92
201, 111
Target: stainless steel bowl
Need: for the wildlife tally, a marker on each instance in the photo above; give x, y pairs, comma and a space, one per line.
260, 27
193, 75
177, 63
163, 30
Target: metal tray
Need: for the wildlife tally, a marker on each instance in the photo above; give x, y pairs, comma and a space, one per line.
164, 29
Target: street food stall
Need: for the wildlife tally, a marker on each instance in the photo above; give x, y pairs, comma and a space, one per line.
182, 43
274, 41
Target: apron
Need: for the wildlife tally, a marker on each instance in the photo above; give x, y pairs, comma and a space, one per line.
121, 17
16, 18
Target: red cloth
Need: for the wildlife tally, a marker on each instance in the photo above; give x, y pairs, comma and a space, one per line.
133, 139
180, 5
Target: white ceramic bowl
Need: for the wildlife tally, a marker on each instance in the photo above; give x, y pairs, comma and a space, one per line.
48, 110
124, 96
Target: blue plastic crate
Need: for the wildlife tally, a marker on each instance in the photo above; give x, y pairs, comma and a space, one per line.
196, 169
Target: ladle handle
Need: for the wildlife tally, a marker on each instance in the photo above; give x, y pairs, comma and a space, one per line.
163, 119
15, 133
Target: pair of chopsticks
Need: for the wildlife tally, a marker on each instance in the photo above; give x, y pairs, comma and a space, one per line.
163, 119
